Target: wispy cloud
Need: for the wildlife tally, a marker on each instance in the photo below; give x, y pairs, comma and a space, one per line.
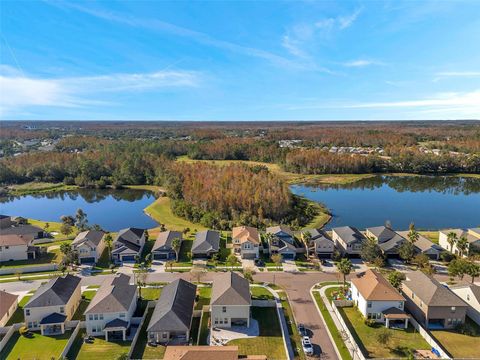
19, 91
362, 63
346, 21
455, 74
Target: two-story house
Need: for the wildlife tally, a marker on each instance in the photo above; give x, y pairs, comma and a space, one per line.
349, 240
111, 309
388, 240
470, 294
89, 246
172, 316
320, 244
206, 243
52, 304
282, 241
128, 244
17, 247
472, 236
230, 302
432, 304
376, 299
162, 249
246, 242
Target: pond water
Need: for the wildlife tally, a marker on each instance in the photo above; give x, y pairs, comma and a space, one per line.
431, 202
111, 209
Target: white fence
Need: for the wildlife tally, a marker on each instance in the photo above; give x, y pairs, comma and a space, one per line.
73, 336
429, 339
28, 269
150, 305
9, 334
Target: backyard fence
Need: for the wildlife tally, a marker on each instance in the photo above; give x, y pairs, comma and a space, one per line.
429, 339
71, 340
150, 305
10, 331
343, 303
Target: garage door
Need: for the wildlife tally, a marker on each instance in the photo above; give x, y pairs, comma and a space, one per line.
288, 256
89, 260
128, 258
324, 255
248, 256
159, 256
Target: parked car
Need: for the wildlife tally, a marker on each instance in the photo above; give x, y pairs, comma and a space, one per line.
302, 330
259, 262
307, 345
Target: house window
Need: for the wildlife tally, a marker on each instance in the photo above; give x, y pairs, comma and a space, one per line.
122, 315
449, 321
216, 321
225, 321
62, 310
101, 316
224, 309
7, 247
90, 317
369, 304
94, 329
400, 305
27, 312
95, 317
453, 308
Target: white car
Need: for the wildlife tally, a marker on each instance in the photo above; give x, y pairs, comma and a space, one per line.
307, 345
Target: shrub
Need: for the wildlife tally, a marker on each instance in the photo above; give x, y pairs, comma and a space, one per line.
369, 322
447, 257
23, 330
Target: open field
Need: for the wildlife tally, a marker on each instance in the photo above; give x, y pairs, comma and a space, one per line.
37, 347
459, 345
270, 340
401, 344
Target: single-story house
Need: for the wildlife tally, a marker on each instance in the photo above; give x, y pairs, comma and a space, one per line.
172, 317
8, 305
246, 241
472, 236
432, 304
320, 244
17, 247
348, 239
128, 244
377, 299
24, 230
424, 246
52, 304
206, 243
89, 246
231, 300
388, 240
470, 294
162, 249
111, 309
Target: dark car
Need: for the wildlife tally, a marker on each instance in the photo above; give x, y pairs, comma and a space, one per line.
302, 330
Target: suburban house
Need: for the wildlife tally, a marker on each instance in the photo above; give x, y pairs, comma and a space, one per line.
162, 249
17, 247
111, 309
8, 305
52, 304
470, 293
5, 221
89, 246
24, 230
282, 242
128, 244
388, 240
206, 243
246, 241
472, 236
432, 304
424, 246
172, 317
230, 302
348, 240
320, 244
377, 299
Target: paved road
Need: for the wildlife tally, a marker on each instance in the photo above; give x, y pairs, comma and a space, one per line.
297, 287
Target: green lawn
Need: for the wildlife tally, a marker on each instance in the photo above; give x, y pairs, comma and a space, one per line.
87, 296
270, 340
204, 294
104, 261
142, 350
204, 330
183, 256
459, 345
150, 293
194, 330
401, 344
431, 235
18, 315
37, 347
100, 349
260, 293
39, 187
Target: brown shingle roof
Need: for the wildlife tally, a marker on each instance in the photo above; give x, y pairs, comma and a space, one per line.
6, 301
373, 286
246, 233
201, 353
430, 291
14, 240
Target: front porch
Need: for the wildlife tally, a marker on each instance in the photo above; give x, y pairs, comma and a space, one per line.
53, 324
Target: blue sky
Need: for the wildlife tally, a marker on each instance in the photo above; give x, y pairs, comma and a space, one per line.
244, 60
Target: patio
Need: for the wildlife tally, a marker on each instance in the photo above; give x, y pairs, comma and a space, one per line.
222, 336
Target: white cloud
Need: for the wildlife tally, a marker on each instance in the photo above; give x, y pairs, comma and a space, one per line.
455, 74
347, 21
362, 63
19, 92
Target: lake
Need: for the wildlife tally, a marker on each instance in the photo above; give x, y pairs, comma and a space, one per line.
431, 202
111, 209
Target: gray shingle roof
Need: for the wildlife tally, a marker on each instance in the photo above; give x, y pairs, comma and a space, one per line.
230, 289
174, 309
54, 318
57, 291
129, 235
279, 228
115, 295
93, 236
430, 291
205, 241
21, 230
423, 244
116, 323
164, 240
349, 234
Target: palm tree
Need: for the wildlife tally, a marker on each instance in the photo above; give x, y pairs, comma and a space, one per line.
462, 246
413, 234
306, 238
108, 242
345, 267
176, 244
451, 239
